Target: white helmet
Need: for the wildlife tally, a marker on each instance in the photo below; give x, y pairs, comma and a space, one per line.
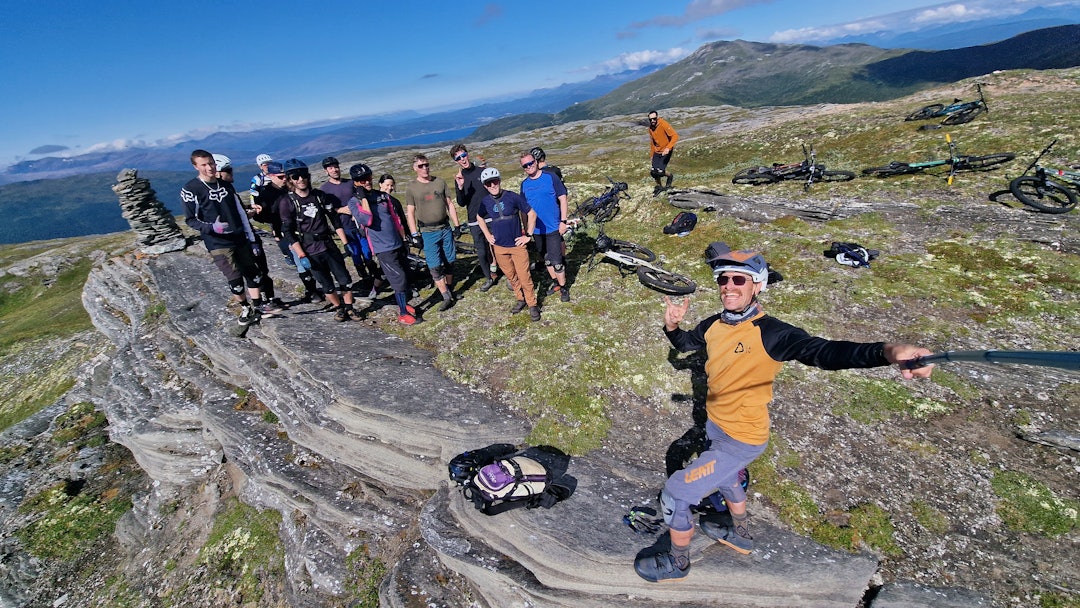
489, 174
222, 162
263, 159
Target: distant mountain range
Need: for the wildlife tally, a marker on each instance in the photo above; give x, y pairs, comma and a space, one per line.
315, 141
966, 33
755, 74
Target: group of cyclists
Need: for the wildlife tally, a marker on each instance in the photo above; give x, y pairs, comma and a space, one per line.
311, 225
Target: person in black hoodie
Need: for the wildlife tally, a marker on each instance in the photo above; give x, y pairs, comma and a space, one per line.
212, 208
470, 192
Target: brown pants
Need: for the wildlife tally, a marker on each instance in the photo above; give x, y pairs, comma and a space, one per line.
514, 263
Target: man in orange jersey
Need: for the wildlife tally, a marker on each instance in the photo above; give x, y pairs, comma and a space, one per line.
662, 139
746, 349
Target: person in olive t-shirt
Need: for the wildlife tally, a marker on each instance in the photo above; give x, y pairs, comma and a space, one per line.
432, 220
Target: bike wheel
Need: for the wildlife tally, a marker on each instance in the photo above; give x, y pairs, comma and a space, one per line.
754, 177
1044, 195
633, 250
964, 116
836, 176
975, 163
666, 282
891, 169
926, 113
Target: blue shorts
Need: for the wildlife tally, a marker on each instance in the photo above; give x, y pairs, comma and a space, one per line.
439, 249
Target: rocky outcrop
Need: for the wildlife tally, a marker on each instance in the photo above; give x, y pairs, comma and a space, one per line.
147, 216
365, 426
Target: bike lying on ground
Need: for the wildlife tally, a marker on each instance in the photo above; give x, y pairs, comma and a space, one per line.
955, 162
956, 113
631, 256
605, 207
1043, 193
808, 170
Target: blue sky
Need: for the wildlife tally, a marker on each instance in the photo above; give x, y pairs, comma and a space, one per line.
81, 76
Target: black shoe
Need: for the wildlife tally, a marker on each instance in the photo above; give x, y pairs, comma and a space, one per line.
488, 284
447, 303
534, 312
519, 306
249, 315
553, 288
564, 294
659, 567
341, 315
352, 313
726, 535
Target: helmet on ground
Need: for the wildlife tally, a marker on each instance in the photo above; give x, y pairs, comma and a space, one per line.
538, 153
295, 166
223, 163
359, 172
489, 174
262, 159
722, 259
330, 161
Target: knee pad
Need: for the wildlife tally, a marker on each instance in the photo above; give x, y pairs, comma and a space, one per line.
676, 512
343, 288
548, 263
237, 287
558, 267
656, 173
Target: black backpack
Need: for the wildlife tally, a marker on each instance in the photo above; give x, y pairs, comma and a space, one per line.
498, 478
683, 223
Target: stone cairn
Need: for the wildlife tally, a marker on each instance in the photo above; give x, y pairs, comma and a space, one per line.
148, 217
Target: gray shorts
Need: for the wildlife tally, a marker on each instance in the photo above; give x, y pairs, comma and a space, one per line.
716, 469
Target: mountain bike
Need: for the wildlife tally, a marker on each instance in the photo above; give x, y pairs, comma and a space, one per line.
631, 256
604, 207
808, 169
956, 113
955, 162
1043, 193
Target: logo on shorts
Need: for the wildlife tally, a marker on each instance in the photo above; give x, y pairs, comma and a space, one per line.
701, 472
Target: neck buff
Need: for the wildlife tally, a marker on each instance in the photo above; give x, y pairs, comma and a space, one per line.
734, 318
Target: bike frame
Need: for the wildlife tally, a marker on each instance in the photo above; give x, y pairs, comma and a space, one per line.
1043, 172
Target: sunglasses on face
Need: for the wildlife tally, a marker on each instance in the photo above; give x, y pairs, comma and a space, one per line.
492, 182
422, 166
297, 176
462, 156
528, 164
737, 280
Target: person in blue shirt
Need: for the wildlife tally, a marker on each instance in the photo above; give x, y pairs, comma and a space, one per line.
546, 194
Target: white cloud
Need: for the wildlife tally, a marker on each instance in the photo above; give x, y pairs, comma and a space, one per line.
951, 13
639, 59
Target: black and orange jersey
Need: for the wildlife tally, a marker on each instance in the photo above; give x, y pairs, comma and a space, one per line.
743, 360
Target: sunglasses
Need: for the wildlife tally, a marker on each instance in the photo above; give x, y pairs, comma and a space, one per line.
737, 280
296, 176
422, 166
461, 156
492, 182
528, 164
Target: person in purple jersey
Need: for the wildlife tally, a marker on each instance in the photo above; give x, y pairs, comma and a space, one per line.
380, 217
